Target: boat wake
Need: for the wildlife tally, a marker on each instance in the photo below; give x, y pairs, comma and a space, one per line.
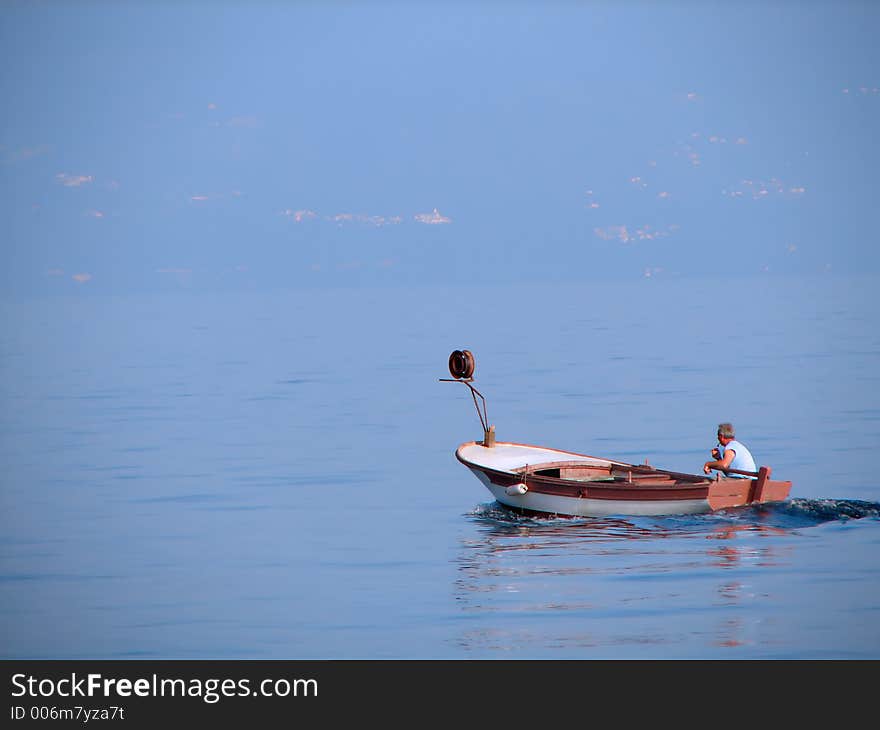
816, 511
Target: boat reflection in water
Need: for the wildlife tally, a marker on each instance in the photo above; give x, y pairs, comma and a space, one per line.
681, 586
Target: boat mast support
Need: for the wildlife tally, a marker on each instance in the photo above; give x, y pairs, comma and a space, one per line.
461, 367
488, 431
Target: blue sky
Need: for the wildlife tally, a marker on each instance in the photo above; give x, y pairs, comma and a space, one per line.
152, 146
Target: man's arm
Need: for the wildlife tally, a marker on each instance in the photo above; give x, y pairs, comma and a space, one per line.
720, 464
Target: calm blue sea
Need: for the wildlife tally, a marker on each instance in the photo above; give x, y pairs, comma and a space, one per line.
272, 475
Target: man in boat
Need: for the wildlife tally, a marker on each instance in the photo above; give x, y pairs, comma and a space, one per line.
730, 454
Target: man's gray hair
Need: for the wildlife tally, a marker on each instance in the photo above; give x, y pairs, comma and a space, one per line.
726, 430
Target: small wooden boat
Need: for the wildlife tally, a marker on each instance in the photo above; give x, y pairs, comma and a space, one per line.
550, 481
